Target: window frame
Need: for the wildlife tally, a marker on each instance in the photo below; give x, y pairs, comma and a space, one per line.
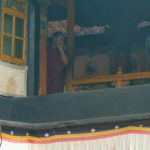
15, 14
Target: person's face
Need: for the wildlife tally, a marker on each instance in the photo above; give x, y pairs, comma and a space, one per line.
59, 40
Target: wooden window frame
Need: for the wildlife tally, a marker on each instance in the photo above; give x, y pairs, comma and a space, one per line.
15, 14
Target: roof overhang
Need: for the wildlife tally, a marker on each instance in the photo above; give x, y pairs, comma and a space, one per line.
76, 109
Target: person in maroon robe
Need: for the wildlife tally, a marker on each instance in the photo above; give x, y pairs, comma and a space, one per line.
57, 61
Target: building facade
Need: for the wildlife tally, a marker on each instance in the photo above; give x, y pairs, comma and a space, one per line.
103, 52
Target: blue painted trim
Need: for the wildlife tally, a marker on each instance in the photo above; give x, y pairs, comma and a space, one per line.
28, 28
33, 48
0, 18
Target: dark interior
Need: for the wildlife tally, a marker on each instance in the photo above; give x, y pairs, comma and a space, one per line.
125, 45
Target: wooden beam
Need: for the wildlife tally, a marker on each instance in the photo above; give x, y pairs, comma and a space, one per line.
111, 78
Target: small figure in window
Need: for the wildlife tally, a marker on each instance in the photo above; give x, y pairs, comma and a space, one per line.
57, 61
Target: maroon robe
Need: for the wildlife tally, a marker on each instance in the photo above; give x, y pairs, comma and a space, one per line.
55, 72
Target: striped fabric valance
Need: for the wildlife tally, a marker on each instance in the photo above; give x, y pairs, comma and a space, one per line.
129, 138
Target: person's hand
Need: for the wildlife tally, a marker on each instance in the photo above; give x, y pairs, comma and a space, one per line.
60, 45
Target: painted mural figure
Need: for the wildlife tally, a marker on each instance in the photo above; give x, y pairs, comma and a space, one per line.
56, 66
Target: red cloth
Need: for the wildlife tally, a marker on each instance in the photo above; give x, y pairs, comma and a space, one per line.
55, 72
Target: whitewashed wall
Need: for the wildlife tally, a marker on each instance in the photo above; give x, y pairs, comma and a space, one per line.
13, 80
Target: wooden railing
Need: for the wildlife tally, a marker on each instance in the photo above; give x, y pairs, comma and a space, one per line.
120, 79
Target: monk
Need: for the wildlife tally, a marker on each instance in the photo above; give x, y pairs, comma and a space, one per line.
57, 62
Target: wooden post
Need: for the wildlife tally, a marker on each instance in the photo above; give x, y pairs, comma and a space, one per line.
119, 83
70, 88
43, 51
70, 37
70, 26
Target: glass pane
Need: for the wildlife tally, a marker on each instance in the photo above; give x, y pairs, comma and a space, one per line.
8, 3
21, 7
7, 45
18, 48
15, 5
19, 27
8, 23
